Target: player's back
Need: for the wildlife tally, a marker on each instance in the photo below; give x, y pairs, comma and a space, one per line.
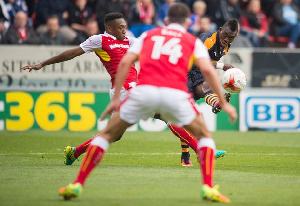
166, 56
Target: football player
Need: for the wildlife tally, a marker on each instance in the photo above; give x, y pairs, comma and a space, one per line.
218, 44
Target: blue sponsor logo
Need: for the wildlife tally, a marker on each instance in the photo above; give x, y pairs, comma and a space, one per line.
273, 112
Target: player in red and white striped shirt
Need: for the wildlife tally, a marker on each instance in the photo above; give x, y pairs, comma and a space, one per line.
110, 47
165, 55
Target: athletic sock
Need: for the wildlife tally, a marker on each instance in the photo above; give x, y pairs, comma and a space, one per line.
184, 147
82, 148
93, 156
184, 136
206, 159
211, 98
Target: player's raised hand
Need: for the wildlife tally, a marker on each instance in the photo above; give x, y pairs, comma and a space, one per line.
231, 111
32, 67
109, 109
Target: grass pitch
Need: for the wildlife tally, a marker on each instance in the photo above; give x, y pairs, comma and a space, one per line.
143, 169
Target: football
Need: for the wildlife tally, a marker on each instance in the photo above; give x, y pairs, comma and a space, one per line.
234, 80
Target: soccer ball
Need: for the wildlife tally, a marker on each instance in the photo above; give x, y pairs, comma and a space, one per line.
234, 80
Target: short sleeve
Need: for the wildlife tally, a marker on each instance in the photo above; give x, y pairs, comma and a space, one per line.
200, 50
92, 43
138, 44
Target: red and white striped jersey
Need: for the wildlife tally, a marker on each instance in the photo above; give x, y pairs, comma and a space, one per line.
110, 51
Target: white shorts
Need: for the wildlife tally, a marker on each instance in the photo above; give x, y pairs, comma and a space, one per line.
123, 93
143, 101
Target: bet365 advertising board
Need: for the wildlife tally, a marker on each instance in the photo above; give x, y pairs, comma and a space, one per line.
78, 111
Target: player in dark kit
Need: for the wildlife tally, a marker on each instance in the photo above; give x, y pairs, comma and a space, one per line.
218, 44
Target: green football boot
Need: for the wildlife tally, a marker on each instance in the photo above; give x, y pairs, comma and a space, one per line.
212, 194
69, 155
71, 191
220, 153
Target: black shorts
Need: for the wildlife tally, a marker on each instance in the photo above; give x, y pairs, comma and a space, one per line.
195, 77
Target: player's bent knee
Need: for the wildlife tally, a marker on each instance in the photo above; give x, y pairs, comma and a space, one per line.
205, 88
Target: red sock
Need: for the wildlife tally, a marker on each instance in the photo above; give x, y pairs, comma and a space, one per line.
92, 158
206, 160
184, 135
82, 148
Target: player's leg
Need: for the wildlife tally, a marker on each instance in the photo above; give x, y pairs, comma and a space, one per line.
189, 140
180, 109
144, 100
185, 154
186, 140
100, 143
206, 150
202, 90
72, 153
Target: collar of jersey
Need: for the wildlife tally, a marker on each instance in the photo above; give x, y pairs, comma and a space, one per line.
107, 34
176, 26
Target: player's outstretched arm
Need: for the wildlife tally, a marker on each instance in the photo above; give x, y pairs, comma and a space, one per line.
64, 56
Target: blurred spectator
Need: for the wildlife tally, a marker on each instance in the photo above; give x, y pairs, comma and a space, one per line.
163, 12
141, 17
52, 36
199, 10
266, 6
103, 7
11, 7
286, 21
79, 13
91, 29
20, 33
227, 9
254, 24
47, 8
206, 25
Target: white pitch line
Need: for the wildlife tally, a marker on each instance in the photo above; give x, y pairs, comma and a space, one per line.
128, 154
